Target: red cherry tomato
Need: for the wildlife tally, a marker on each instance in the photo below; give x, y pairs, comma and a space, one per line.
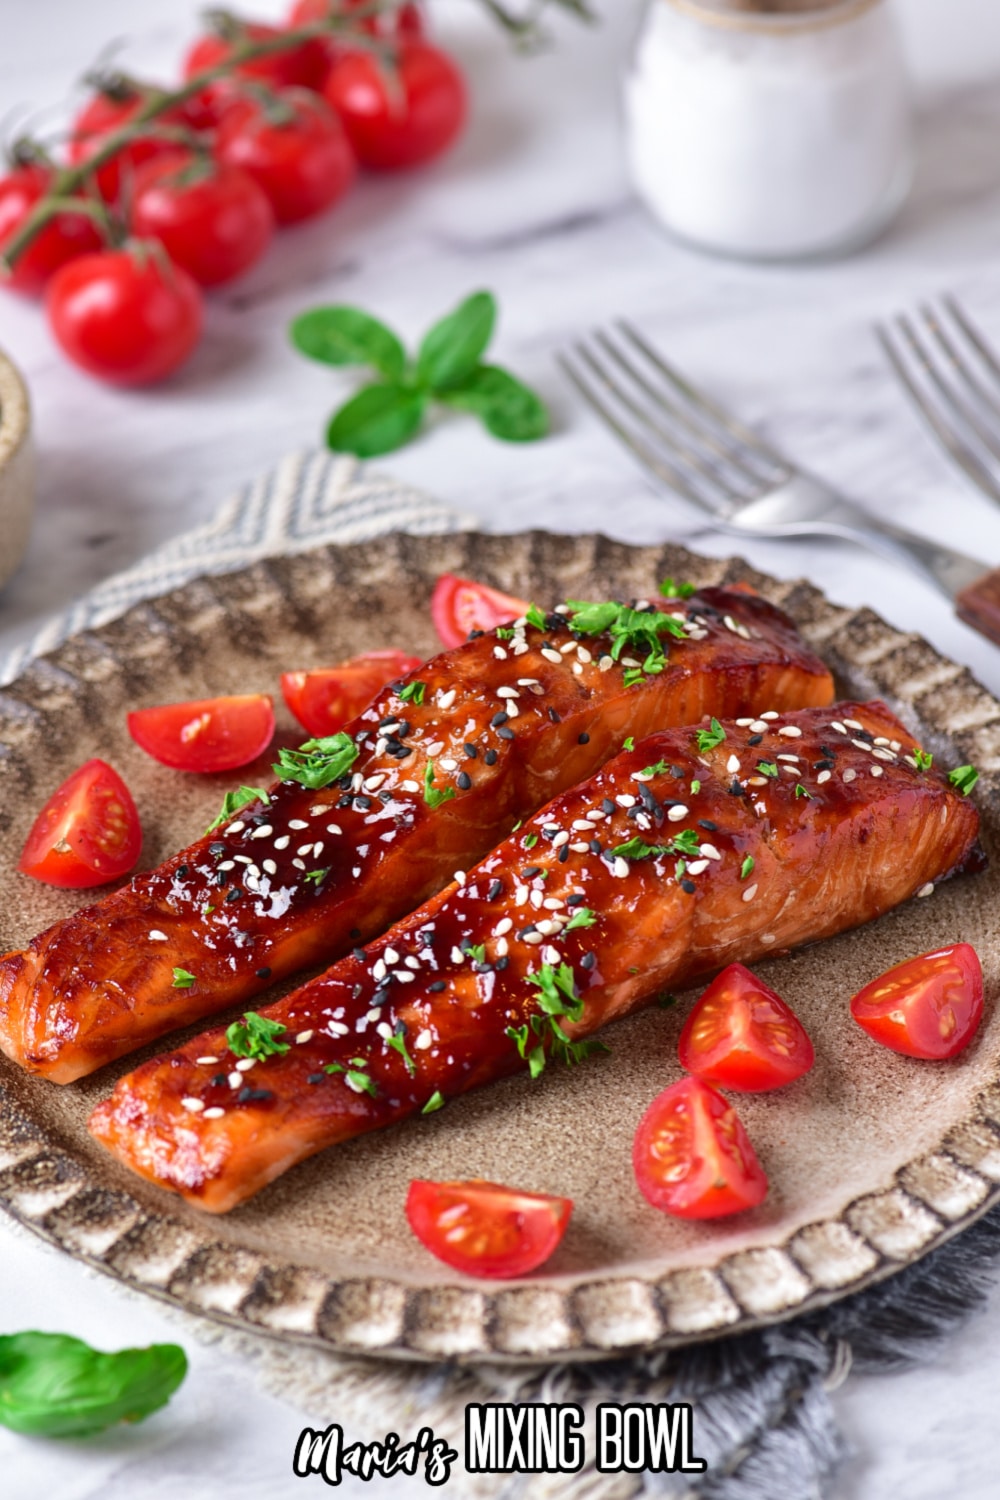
401, 121
929, 1006
293, 146
407, 21
303, 67
128, 316
63, 238
96, 121
206, 734
459, 606
484, 1229
691, 1156
324, 701
211, 218
741, 1035
87, 833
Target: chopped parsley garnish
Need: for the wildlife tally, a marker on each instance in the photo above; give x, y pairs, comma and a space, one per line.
582, 917
318, 875
233, 801
629, 744
632, 676
709, 738
398, 1043
182, 980
506, 632
535, 617
256, 1036
800, 791
660, 769
747, 866
671, 589
317, 763
684, 843
477, 953
695, 788
413, 692
358, 1080
767, 767
630, 629
435, 1102
923, 760
433, 795
530, 840
557, 998
963, 778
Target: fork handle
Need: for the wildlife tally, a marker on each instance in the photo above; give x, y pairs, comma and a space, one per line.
979, 605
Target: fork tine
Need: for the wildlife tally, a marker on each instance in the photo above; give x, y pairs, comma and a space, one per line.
958, 410
731, 426
962, 455
959, 365
658, 466
975, 338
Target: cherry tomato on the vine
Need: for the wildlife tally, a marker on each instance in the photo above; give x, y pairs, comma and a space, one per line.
304, 66
404, 118
327, 698
63, 238
741, 1035
293, 146
484, 1229
406, 21
106, 113
928, 1007
127, 316
460, 605
692, 1157
205, 734
87, 833
211, 218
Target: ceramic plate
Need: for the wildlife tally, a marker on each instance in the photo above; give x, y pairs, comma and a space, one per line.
873, 1158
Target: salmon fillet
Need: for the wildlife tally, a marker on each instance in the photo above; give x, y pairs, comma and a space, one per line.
500, 725
674, 860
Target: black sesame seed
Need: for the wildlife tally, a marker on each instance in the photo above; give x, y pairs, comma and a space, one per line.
363, 804
863, 734
219, 1078
502, 963
381, 995
437, 986
822, 765
633, 812
556, 718
588, 960
495, 890
736, 790
689, 886
464, 780
554, 621
217, 850
316, 1078
233, 895
345, 801
708, 825
247, 1095
264, 973
258, 818
403, 730
678, 772
530, 928
607, 806
182, 871
576, 900
594, 846
755, 739
401, 752
356, 991
222, 878
583, 739
490, 757
563, 854
384, 797
505, 733
498, 719
827, 751
474, 635
359, 954
427, 938
531, 872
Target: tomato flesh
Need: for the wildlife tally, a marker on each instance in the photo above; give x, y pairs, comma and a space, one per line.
692, 1157
928, 1007
459, 606
484, 1229
326, 699
206, 734
741, 1035
87, 833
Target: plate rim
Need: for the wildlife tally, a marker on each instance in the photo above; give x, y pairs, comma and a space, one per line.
51, 1191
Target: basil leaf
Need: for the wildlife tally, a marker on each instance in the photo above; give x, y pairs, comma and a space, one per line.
508, 409
379, 419
451, 350
348, 336
52, 1385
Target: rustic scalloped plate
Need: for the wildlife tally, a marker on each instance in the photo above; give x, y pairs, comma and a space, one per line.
873, 1158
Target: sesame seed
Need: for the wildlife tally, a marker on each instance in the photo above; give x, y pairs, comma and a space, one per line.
567, 647
508, 692
207, 1060
504, 925
229, 864
696, 866
537, 898
793, 758
499, 653
675, 814
245, 1064
743, 723
532, 937
551, 955
581, 825
756, 781
215, 1113
579, 847
759, 727
300, 865
380, 745
194, 1105
156, 936
606, 663
926, 890
457, 956
625, 800
304, 1036
708, 851
560, 839
409, 786
236, 827
304, 849
876, 770
547, 927
577, 669
270, 867
822, 777
445, 700
459, 877
283, 842
423, 1040
883, 754
733, 764
379, 969
771, 714
372, 1015
620, 867
297, 823
318, 849
520, 895
235, 1080
767, 938
850, 775
502, 947
790, 731
853, 724
263, 832
551, 655
582, 654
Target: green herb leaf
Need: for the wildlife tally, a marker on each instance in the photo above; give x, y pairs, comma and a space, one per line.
434, 796
747, 866
413, 692
582, 917
435, 1102
316, 763
684, 843
767, 768
256, 1036
800, 791
348, 336
233, 801
507, 408
671, 589
632, 676
398, 1043
660, 769
530, 840
923, 760
379, 419
477, 953
695, 788
963, 778
318, 876
52, 1385
518, 1035
709, 738
535, 617
629, 744
182, 980
452, 349
361, 1083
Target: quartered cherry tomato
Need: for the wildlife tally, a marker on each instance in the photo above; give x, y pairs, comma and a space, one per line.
211, 218
63, 238
458, 606
326, 699
127, 316
484, 1229
302, 67
741, 1035
929, 1006
400, 118
294, 147
206, 734
106, 112
87, 833
692, 1157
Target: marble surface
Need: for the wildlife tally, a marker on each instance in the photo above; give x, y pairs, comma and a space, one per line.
534, 204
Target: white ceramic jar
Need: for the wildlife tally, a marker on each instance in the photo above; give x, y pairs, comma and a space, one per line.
770, 129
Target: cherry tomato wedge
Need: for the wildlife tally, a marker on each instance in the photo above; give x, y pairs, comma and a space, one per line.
928, 1007
87, 833
741, 1035
326, 699
207, 734
484, 1229
692, 1157
458, 606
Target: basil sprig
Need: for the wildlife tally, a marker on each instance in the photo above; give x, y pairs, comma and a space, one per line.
448, 368
52, 1385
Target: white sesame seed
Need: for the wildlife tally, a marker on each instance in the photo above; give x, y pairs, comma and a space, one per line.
733, 764
156, 936
337, 1028
227, 864
926, 890
551, 655
300, 865
457, 956
445, 700
560, 839
708, 851
642, 776
553, 903
243, 859
499, 653
459, 877
423, 1040
318, 849
263, 832
759, 727
374, 1013
235, 1080
790, 731
380, 745
194, 1105
853, 724
384, 1030
519, 647
767, 938
880, 739
620, 867
793, 758
502, 947
880, 754
207, 1060
850, 775
391, 956
580, 848
547, 927
215, 1113
245, 1064
750, 893
823, 777
771, 714
371, 783
412, 961
675, 814
405, 976
895, 745
379, 969
283, 842
696, 866
606, 663
409, 786
729, 623
582, 654
447, 763
876, 770
566, 647
536, 899
533, 937
353, 1084
236, 827
297, 823
504, 925
330, 828
551, 955
304, 1036
577, 669
743, 723
581, 825
908, 759
270, 866
508, 692
304, 849
520, 895
756, 781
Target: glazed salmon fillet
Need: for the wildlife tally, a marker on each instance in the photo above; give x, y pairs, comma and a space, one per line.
680, 856
446, 761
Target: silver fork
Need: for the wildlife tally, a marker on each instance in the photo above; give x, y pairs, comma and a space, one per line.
689, 445
953, 378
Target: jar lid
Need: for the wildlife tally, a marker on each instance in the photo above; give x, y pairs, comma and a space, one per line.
799, 15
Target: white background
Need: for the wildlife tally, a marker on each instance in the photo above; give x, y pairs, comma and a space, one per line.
534, 204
